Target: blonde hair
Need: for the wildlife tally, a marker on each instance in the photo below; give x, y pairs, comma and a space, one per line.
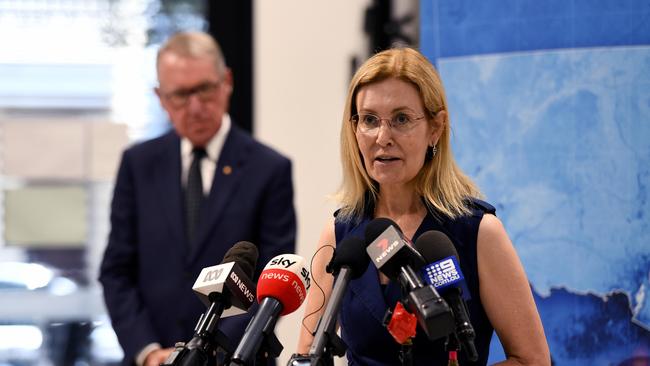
194, 44
440, 182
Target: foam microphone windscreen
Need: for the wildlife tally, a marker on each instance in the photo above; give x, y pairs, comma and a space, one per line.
350, 252
434, 246
286, 279
378, 226
245, 254
407, 254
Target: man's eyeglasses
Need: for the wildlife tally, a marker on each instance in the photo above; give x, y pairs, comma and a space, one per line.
204, 92
369, 124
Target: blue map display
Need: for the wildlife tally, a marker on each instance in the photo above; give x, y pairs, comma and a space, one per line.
550, 111
559, 141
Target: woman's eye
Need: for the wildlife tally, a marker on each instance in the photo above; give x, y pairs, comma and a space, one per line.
370, 120
401, 119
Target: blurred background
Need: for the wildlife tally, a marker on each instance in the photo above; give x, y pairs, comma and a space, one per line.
550, 112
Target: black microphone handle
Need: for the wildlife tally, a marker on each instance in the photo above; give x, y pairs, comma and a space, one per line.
262, 323
208, 322
464, 329
409, 279
327, 322
207, 338
432, 312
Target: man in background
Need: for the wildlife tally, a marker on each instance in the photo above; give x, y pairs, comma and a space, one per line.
183, 199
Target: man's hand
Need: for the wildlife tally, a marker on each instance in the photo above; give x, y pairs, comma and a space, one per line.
158, 356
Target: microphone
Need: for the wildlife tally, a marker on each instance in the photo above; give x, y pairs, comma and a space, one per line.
281, 289
348, 262
444, 274
226, 289
230, 280
394, 257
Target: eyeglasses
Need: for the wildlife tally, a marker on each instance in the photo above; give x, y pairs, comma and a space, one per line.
204, 92
369, 124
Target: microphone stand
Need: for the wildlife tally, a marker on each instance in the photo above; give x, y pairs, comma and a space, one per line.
269, 345
406, 354
452, 346
333, 347
201, 350
326, 343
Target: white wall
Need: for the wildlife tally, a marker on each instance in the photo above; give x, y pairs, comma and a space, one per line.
303, 52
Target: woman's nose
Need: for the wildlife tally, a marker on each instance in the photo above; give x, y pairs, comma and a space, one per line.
384, 134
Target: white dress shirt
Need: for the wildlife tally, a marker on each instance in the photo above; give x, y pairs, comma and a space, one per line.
209, 163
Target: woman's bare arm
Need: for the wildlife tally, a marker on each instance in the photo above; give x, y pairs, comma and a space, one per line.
317, 299
507, 298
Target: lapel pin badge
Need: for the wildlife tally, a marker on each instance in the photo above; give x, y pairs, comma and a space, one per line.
227, 170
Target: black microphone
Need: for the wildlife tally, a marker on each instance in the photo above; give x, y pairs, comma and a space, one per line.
229, 282
226, 289
281, 289
394, 257
444, 274
348, 262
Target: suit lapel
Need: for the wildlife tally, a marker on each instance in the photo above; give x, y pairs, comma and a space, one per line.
168, 182
227, 176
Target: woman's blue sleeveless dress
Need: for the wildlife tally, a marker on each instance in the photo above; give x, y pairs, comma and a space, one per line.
365, 302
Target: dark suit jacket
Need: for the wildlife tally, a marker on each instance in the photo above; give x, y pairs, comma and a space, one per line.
148, 270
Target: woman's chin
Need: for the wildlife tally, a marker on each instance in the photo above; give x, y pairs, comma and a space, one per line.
388, 180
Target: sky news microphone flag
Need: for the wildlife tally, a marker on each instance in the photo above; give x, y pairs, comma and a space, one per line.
281, 289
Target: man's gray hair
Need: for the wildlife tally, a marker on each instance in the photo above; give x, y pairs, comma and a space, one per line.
194, 44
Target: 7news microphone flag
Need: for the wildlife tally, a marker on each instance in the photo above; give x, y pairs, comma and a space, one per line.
394, 257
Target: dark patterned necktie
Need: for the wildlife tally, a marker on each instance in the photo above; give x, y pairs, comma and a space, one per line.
194, 194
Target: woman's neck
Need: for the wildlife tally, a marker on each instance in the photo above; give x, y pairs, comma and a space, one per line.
403, 206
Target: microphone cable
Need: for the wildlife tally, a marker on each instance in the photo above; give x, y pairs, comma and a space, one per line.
322, 305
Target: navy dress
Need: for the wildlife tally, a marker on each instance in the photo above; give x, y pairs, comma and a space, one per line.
366, 302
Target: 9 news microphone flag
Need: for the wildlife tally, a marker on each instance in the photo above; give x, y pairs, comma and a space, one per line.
443, 272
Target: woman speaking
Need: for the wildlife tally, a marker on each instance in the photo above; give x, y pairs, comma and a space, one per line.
398, 164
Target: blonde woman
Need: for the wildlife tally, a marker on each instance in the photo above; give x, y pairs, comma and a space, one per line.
397, 163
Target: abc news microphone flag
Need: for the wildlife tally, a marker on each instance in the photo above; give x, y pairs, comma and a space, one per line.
226, 290
226, 276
